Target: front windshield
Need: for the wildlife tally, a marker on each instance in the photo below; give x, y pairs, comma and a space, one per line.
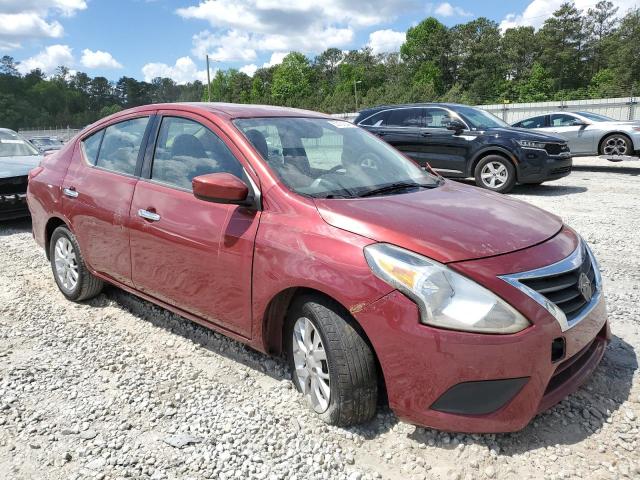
325, 158
479, 119
12, 145
594, 117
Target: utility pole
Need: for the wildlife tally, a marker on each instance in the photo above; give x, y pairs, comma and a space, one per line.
355, 90
208, 81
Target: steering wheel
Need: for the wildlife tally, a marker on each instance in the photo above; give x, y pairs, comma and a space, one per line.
335, 168
370, 160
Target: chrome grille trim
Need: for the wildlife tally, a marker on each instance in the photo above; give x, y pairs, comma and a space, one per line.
572, 262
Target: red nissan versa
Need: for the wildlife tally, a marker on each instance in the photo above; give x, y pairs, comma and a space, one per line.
295, 232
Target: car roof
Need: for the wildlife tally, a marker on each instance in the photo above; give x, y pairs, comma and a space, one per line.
7, 130
227, 110
377, 108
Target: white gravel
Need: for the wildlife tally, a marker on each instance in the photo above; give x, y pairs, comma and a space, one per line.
118, 388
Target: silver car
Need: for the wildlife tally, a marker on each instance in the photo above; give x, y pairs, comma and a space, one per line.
17, 157
589, 133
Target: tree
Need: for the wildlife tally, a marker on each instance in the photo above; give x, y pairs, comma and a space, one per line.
600, 23
429, 41
519, 49
291, 80
8, 66
537, 87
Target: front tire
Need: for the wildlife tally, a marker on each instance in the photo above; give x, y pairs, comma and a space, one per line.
616, 145
495, 173
69, 270
331, 363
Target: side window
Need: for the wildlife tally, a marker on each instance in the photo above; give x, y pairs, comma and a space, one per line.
121, 144
90, 146
405, 117
535, 122
376, 120
436, 118
562, 120
186, 149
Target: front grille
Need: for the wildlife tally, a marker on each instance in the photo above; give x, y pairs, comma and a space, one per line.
556, 148
13, 185
559, 170
563, 289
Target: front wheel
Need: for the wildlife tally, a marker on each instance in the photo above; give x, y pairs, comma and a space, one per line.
495, 173
332, 364
69, 270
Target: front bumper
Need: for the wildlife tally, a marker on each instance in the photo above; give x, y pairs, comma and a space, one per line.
13, 205
424, 367
536, 165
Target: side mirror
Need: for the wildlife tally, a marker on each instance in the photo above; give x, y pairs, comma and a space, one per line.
456, 125
220, 188
578, 123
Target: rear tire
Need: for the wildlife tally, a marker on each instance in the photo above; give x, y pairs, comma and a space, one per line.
495, 173
348, 371
616, 144
69, 270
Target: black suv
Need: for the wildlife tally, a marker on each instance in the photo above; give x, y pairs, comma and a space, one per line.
462, 141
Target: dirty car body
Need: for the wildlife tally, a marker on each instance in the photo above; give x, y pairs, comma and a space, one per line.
474, 311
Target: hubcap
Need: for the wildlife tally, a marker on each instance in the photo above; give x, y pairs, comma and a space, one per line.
66, 264
615, 146
310, 360
494, 174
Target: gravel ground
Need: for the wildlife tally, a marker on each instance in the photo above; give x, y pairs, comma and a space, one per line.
118, 388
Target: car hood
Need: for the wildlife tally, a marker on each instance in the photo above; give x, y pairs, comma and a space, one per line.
616, 125
451, 223
525, 134
18, 166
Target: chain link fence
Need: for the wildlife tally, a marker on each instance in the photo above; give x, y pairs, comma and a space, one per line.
64, 134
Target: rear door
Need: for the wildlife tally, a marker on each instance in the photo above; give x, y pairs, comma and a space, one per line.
443, 149
190, 253
399, 127
97, 193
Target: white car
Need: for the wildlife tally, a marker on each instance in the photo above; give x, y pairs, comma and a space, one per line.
589, 133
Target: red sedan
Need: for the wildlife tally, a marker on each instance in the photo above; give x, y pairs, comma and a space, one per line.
304, 235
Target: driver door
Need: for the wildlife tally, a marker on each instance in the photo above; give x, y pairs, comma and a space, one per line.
193, 254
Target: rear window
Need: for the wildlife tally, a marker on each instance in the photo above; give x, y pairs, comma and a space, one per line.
121, 144
375, 120
406, 117
90, 146
535, 122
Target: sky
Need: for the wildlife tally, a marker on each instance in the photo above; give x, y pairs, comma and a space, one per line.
170, 38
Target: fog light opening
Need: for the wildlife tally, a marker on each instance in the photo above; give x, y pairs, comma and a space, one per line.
558, 349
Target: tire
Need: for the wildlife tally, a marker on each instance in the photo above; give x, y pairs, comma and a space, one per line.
616, 144
350, 363
495, 173
68, 260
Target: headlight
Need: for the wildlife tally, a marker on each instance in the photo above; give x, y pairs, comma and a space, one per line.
530, 144
446, 299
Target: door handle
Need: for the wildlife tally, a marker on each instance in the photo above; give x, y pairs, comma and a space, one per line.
147, 215
70, 192
425, 134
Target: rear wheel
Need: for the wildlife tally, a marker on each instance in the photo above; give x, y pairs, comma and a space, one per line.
495, 173
69, 270
616, 144
332, 365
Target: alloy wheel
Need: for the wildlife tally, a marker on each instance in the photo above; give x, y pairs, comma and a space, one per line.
311, 366
66, 264
494, 175
615, 145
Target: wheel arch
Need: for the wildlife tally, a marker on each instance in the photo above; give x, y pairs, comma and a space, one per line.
608, 134
492, 150
53, 223
275, 322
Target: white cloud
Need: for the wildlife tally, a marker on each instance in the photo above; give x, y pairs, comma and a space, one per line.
249, 69
539, 10
242, 29
98, 59
234, 45
276, 59
383, 41
445, 9
184, 71
22, 20
48, 59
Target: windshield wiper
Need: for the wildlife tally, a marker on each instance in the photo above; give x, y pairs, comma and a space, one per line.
395, 187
